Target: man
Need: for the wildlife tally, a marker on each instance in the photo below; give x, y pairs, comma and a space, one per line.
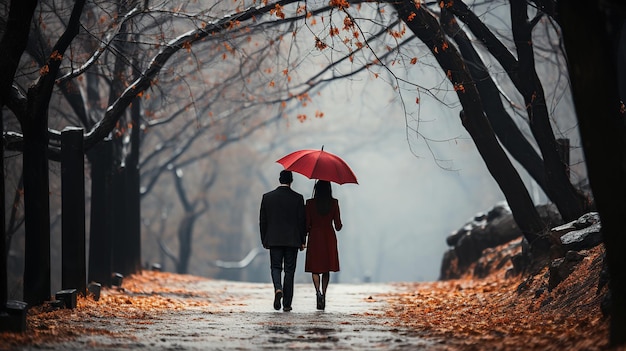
283, 232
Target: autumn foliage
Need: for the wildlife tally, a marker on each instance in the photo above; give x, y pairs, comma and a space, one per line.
143, 298
517, 313
494, 313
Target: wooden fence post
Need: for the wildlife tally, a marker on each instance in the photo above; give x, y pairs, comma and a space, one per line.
73, 265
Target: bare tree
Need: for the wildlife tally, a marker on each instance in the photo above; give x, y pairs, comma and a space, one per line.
596, 80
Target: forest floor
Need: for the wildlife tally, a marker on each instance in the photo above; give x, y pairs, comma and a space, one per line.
165, 311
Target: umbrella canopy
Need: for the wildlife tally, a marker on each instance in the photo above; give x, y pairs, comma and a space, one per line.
319, 164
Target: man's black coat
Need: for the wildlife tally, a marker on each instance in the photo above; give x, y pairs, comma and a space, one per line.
282, 220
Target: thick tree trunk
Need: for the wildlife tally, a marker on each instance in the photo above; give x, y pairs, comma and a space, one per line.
503, 125
120, 261
12, 45
3, 235
558, 186
591, 51
426, 27
570, 203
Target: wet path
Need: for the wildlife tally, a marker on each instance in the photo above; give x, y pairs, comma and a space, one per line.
242, 318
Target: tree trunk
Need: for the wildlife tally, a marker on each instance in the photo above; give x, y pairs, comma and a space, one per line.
566, 198
120, 261
100, 241
426, 27
12, 45
570, 203
591, 51
185, 234
3, 234
503, 125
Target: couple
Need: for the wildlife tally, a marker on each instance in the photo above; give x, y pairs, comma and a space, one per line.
285, 222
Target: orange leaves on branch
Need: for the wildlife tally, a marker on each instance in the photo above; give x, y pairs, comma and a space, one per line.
447, 4
301, 118
342, 4
319, 44
411, 16
221, 137
44, 70
417, 100
302, 9
229, 48
398, 34
319, 114
187, 46
278, 11
459, 87
444, 47
233, 24
272, 84
414, 60
56, 56
304, 98
347, 23
286, 73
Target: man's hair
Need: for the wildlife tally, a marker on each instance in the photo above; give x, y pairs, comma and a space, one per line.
286, 177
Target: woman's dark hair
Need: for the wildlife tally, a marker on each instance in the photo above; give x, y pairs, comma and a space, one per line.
323, 195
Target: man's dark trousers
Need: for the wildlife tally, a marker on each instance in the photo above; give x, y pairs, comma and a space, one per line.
288, 256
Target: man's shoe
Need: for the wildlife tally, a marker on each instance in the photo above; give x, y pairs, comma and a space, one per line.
277, 297
287, 308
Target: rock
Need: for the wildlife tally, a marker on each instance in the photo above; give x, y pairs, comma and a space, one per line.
448, 266
487, 230
582, 239
587, 220
583, 233
561, 268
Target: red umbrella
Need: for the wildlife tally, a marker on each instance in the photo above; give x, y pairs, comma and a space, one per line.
319, 164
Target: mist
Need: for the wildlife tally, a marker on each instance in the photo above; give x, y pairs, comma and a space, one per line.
411, 194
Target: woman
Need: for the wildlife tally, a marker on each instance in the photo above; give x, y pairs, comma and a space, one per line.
322, 256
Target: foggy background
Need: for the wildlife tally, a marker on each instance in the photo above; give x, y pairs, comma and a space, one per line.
412, 193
